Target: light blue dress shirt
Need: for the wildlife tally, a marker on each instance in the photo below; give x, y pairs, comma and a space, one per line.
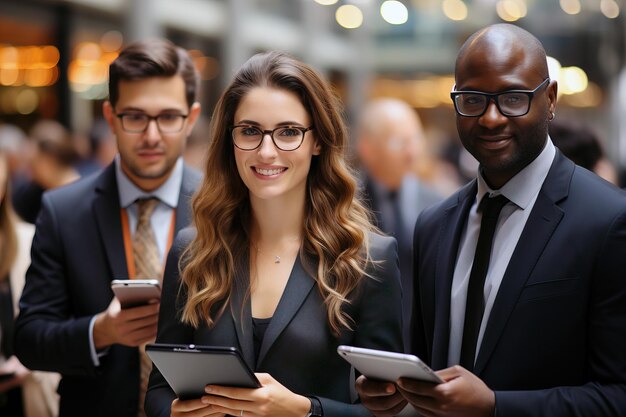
161, 219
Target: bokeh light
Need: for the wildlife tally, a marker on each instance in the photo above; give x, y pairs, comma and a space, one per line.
454, 9
394, 12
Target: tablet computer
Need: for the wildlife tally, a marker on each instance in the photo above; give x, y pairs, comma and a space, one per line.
189, 368
387, 366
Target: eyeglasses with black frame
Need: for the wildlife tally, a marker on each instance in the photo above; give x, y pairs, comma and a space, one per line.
166, 122
511, 103
285, 138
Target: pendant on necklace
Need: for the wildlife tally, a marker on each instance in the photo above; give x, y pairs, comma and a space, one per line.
276, 259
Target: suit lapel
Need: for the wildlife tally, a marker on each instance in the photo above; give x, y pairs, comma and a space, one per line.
298, 287
453, 223
106, 208
241, 310
541, 224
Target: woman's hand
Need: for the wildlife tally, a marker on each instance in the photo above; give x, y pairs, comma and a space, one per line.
192, 408
272, 399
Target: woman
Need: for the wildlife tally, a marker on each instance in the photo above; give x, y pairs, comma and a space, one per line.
283, 263
22, 392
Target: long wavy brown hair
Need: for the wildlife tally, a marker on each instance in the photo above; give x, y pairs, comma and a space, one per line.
336, 223
8, 238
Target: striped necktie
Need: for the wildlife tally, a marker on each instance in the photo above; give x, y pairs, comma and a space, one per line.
145, 250
147, 266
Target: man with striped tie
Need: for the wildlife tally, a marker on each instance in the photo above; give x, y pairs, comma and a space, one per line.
118, 224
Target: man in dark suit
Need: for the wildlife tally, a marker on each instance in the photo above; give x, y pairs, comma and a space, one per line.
86, 234
542, 333
390, 138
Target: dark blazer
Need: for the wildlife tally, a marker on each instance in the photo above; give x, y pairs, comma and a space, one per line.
414, 197
555, 342
298, 349
77, 250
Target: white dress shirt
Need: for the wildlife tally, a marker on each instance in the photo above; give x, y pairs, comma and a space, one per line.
522, 191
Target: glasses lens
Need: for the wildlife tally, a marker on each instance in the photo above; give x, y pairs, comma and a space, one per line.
288, 138
470, 104
134, 122
170, 123
514, 104
247, 137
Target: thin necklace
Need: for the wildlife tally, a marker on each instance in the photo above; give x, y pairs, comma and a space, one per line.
277, 258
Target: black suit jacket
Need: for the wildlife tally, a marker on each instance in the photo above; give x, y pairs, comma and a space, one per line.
298, 349
77, 250
555, 341
414, 197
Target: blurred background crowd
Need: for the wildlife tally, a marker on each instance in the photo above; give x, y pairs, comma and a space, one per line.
54, 58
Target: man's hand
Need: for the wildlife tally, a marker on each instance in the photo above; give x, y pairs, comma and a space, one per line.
381, 398
463, 394
130, 327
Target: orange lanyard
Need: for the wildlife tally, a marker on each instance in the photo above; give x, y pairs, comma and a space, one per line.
128, 242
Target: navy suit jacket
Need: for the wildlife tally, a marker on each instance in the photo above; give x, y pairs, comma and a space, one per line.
77, 250
555, 341
298, 349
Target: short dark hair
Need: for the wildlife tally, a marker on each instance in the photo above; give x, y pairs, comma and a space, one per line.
153, 58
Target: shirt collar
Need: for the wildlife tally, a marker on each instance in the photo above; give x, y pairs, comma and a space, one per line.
167, 193
525, 185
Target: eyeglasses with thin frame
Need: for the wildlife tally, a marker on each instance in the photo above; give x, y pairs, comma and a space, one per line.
139, 122
511, 103
285, 138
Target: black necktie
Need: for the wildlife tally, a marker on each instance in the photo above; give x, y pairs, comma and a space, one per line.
475, 306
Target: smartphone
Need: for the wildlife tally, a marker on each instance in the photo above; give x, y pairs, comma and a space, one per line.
136, 292
189, 368
387, 366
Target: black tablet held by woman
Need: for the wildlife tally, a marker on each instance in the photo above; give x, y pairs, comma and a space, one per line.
189, 368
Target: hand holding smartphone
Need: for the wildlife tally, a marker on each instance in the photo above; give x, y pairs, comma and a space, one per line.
387, 366
136, 292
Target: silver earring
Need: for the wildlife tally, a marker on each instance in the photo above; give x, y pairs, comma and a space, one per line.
552, 116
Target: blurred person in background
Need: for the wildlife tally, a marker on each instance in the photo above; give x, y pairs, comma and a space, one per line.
389, 141
582, 146
54, 156
101, 149
437, 162
22, 393
51, 163
14, 144
118, 224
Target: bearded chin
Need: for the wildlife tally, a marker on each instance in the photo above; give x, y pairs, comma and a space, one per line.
533, 144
